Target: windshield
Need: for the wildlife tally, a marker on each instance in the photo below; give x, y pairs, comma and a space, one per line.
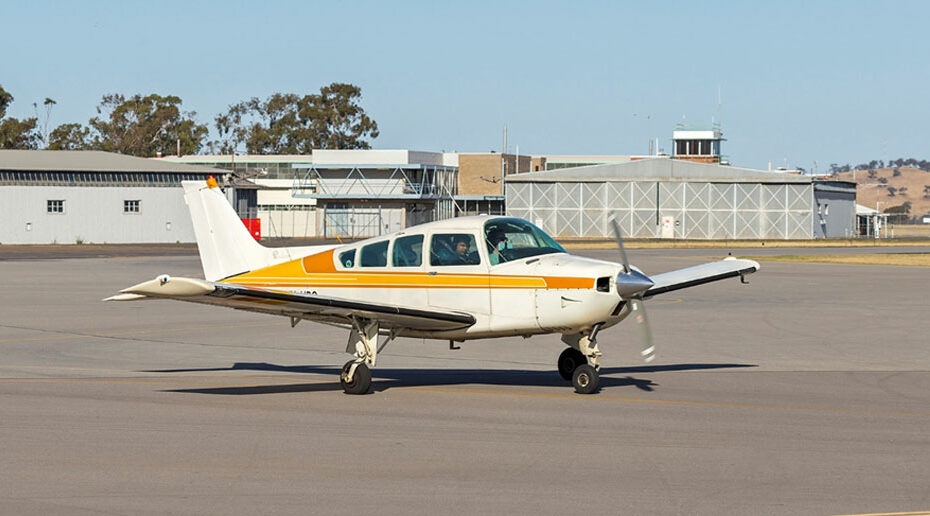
513, 239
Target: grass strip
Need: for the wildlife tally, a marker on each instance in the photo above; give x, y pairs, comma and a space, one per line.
906, 259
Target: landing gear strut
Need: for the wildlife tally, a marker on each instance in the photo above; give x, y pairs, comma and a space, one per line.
579, 363
363, 344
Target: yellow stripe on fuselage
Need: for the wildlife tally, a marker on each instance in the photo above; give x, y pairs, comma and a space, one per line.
294, 274
396, 280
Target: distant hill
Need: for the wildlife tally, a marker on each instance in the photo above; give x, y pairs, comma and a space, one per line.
883, 188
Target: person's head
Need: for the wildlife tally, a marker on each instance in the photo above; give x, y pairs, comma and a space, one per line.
461, 246
496, 237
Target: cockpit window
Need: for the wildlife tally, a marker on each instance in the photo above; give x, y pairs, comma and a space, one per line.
347, 258
453, 249
513, 239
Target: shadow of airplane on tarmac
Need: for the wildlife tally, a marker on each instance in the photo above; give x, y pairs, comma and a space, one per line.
383, 379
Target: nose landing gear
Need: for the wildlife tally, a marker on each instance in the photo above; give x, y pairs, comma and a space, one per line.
579, 363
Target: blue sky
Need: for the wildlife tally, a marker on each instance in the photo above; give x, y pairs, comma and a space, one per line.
840, 82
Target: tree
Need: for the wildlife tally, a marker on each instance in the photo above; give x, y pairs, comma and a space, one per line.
926, 191
896, 172
15, 133
48, 105
145, 126
872, 174
70, 137
287, 123
883, 180
337, 121
264, 127
891, 191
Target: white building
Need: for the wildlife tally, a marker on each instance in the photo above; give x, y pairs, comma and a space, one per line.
70, 197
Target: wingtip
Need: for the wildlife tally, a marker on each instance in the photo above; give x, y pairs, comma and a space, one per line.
125, 297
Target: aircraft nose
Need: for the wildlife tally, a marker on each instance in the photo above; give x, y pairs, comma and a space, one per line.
631, 283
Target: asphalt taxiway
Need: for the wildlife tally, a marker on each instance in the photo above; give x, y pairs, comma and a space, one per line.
805, 392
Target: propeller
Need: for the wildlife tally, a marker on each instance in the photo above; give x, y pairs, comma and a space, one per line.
631, 284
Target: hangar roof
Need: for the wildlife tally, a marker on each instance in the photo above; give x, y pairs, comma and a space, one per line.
91, 161
659, 169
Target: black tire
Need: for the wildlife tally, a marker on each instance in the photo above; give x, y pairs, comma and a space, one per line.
570, 359
361, 381
585, 380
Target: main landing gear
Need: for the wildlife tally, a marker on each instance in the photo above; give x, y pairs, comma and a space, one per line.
579, 362
363, 344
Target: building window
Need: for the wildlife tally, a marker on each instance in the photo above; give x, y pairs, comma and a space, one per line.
131, 206
56, 206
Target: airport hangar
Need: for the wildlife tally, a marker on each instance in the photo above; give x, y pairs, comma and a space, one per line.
70, 197
662, 197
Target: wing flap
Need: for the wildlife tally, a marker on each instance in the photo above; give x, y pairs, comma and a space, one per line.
700, 274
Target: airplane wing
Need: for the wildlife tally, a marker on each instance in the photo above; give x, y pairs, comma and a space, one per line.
289, 304
700, 274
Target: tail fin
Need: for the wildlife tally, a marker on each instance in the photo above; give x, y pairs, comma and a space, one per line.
226, 247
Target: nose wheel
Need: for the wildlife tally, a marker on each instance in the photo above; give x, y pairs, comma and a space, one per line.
585, 380
574, 367
579, 362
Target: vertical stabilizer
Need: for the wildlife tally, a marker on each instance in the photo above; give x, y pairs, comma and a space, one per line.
225, 245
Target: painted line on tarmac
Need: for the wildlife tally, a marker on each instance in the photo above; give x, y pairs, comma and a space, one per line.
601, 397
918, 513
64, 334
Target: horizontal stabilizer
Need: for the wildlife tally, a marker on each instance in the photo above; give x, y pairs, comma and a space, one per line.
166, 286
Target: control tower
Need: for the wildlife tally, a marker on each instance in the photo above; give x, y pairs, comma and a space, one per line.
698, 144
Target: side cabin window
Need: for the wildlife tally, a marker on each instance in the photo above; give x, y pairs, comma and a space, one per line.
408, 251
374, 255
347, 258
453, 249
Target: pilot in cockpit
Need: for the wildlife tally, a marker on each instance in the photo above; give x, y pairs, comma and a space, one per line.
461, 251
496, 241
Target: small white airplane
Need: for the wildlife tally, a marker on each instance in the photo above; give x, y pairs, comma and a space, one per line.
458, 279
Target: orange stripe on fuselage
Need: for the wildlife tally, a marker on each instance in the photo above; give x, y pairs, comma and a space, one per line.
318, 270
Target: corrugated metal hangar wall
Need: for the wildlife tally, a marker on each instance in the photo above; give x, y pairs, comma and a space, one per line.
695, 210
663, 198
